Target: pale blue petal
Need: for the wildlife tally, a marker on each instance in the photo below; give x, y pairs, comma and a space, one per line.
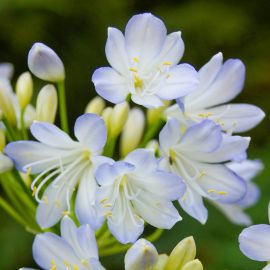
90, 130
148, 101
110, 85
267, 267
192, 203
6, 71
255, 242
251, 197
182, 80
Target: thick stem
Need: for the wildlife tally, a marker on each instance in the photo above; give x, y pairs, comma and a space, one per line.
24, 132
62, 106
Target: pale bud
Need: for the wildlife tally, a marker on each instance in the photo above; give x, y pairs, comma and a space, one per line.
24, 89
193, 265
6, 71
47, 104
106, 115
153, 145
6, 102
162, 260
45, 63
132, 132
153, 115
183, 253
5, 163
2, 140
96, 105
142, 255
118, 118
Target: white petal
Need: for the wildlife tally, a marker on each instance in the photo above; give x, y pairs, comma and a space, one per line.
230, 147
220, 183
182, 80
255, 242
142, 255
251, 197
145, 35
237, 117
110, 85
29, 115
148, 101
90, 130
48, 248
116, 51
51, 135
156, 211
192, 203
234, 213
204, 137
6, 71
6, 163
267, 267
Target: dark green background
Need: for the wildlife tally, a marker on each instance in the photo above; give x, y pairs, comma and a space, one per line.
76, 29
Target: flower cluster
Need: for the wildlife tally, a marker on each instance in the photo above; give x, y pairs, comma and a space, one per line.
114, 194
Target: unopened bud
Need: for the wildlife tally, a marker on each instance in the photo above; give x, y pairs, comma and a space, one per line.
142, 255
118, 118
47, 104
6, 102
193, 265
153, 115
2, 140
5, 163
106, 115
24, 89
45, 63
162, 260
153, 145
132, 132
6, 71
96, 105
183, 253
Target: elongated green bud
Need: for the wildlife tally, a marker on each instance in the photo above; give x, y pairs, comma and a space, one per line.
24, 89
2, 140
96, 105
193, 265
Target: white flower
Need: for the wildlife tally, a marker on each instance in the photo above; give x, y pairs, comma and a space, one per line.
6, 71
144, 64
219, 83
76, 249
45, 63
65, 162
246, 169
135, 190
197, 154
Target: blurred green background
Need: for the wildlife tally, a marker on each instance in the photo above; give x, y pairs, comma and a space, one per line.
76, 30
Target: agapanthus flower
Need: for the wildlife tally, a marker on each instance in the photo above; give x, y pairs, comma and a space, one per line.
197, 155
135, 190
144, 64
144, 256
76, 249
65, 163
255, 242
219, 83
247, 169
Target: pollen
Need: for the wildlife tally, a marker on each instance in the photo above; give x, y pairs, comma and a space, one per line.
85, 262
217, 192
205, 115
53, 265
75, 267
103, 200
167, 63
133, 69
138, 83
86, 155
66, 264
172, 156
136, 59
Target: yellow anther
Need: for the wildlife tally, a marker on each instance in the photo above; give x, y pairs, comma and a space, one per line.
167, 63
172, 156
136, 59
201, 175
138, 83
205, 115
66, 213
217, 192
85, 262
222, 193
66, 264
28, 171
46, 200
106, 205
183, 129
103, 200
108, 214
86, 154
75, 267
53, 265
133, 69
34, 191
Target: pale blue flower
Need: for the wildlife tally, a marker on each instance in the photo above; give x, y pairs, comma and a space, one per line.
135, 190
76, 249
58, 159
219, 83
197, 155
255, 242
247, 169
144, 64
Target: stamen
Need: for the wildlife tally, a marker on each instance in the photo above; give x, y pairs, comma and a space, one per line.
53, 265
136, 59
103, 200
66, 213
108, 214
133, 69
167, 63
85, 262
75, 267
46, 200
138, 83
217, 192
172, 156
34, 191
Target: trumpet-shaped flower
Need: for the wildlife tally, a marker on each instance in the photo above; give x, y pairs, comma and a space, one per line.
144, 64
247, 169
144, 256
196, 154
64, 162
135, 190
255, 242
75, 249
219, 83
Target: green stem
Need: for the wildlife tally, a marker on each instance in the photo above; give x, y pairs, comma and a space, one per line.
155, 235
24, 132
62, 106
10, 133
109, 147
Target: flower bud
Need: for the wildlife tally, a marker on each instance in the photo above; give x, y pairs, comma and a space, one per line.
106, 115
24, 89
6, 102
118, 118
96, 105
2, 140
132, 132
5, 163
6, 71
154, 114
45, 63
142, 255
162, 260
183, 253
47, 104
193, 265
